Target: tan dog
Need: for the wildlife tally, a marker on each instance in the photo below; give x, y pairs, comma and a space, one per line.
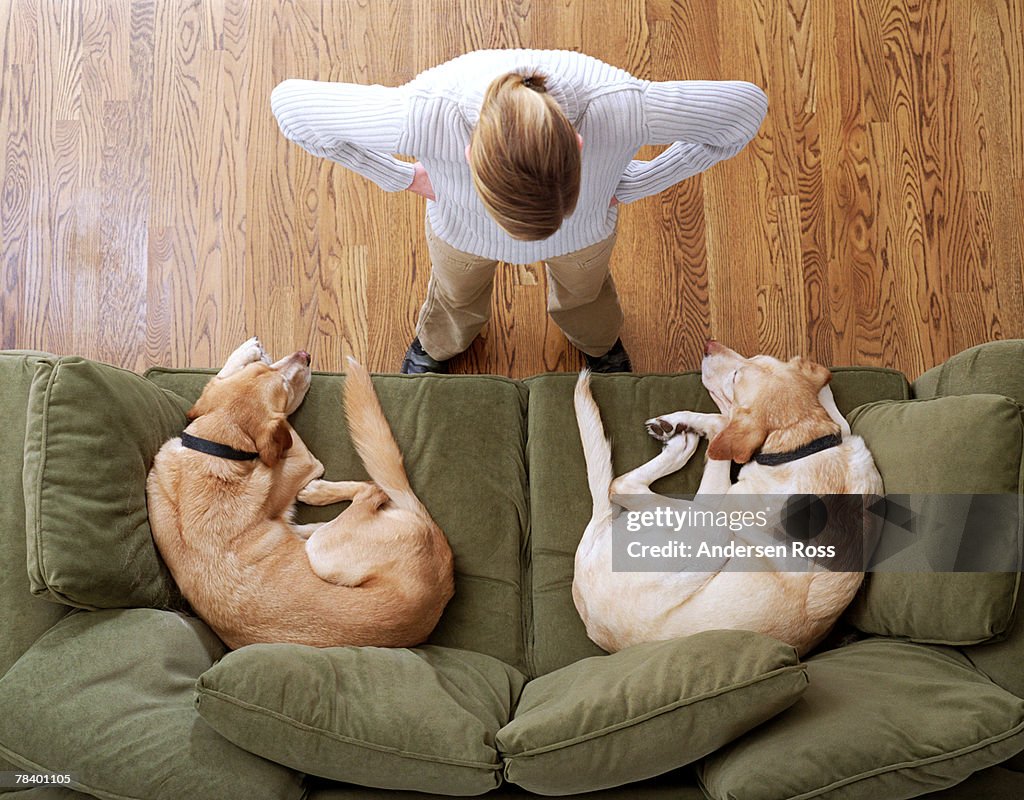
220, 508
768, 407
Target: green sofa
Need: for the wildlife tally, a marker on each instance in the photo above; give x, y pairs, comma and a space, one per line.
110, 684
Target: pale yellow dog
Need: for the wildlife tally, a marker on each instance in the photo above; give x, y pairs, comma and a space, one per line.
768, 407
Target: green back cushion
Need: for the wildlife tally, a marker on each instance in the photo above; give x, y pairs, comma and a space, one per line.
91, 435
970, 444
462, 439
419, 719
997, 368
991, 368
560, 500
610, 720
108, 697
880, 719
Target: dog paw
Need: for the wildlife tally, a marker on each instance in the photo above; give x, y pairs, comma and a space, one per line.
312, 494
663, 430
249, 351
256, 351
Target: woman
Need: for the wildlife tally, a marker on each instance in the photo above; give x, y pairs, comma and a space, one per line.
524, 156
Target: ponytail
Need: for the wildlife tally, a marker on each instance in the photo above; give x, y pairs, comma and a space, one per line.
525, 157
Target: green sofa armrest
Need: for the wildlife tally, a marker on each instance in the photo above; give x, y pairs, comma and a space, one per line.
23, 617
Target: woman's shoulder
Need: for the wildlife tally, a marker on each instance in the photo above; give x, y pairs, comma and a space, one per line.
464, 67
470, 68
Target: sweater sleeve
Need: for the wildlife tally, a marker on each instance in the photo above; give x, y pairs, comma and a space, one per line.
704, 122
357, 126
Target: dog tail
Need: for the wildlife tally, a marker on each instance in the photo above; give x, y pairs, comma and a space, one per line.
374, 441
597, 451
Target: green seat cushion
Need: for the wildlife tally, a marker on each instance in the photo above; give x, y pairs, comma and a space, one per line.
52, 792
881, 718
609, 720
677, 785
559, 497
108, 697
418, 719
941, 450
994, 783
462, 438
92, 432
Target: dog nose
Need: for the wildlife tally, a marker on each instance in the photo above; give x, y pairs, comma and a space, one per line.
304, 356
710, 346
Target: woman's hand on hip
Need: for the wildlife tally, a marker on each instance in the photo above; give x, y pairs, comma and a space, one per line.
421, 182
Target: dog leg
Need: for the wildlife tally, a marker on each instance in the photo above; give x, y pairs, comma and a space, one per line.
716, 478
677, 451
323, 493
665, 427
307, 530
248, 352
343, 551
363, 494
828, 402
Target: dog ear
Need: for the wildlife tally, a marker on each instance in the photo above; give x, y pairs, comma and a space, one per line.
273, 440
739, 440
196, 411
818, 375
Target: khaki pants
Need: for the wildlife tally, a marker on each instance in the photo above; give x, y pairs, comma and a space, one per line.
581, 298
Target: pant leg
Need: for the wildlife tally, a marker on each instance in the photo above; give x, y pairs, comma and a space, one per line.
458, 302
582, 299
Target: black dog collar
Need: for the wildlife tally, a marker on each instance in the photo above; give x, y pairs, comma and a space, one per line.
809, 449
215, 448
775, 459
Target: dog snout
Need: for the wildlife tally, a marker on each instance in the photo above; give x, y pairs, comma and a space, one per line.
712, 346
300, 358
296, 362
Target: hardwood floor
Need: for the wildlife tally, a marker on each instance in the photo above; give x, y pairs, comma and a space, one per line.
151, 213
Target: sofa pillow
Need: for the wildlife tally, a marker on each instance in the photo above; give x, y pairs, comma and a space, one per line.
645, 710
92, 432
107, 697
940, 451
419, 719
881, 719
462, 438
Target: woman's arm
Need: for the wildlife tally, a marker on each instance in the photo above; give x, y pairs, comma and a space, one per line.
357, 126
704, 121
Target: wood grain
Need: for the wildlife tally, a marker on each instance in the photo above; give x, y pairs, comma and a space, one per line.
151, 213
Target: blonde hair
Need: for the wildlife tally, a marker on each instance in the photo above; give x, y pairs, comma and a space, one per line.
525, 157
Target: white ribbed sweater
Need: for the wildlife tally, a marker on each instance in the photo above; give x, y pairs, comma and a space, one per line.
432, 116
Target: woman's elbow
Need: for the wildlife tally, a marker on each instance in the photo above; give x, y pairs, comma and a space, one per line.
754, 101
287, 102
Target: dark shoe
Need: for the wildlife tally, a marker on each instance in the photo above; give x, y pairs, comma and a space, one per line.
615, 360
417, 361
